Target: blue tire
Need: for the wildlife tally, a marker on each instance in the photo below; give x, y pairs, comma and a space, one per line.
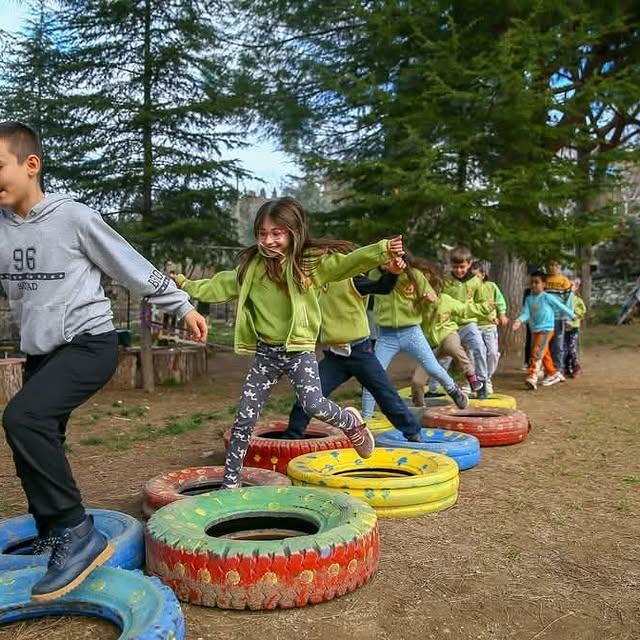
462, 447
124, 532
143, 608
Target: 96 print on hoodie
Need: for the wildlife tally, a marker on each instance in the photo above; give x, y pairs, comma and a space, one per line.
50, 267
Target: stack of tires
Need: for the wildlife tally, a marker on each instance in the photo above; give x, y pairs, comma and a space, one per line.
396, 482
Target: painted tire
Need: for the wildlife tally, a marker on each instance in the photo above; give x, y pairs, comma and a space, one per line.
261, 573
124, 532
379, 422
462, 447
274, 454
391, 480
500, 400
491, 425
143, 608
177, 485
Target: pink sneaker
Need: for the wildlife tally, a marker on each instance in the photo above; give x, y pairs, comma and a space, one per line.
361, 438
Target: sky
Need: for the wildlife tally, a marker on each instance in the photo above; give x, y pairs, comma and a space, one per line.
262, 157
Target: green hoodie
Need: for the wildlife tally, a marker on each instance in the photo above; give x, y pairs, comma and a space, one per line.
443, 317
304, 308
467, 289
401, 307
492, 294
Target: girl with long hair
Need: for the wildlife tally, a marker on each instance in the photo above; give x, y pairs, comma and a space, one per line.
278, 318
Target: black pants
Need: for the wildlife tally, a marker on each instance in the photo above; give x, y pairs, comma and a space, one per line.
35, 422
362, 365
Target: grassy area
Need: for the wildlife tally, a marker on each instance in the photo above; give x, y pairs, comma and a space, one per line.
220, 334
173, 426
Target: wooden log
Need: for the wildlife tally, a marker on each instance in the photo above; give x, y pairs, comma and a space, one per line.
10, 378
126, 373
178, 365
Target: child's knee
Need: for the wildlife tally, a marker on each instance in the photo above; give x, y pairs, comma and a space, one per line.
14, 419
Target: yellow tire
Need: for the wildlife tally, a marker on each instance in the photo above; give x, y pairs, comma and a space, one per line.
391, 479
415, 510
500, 400
379, 422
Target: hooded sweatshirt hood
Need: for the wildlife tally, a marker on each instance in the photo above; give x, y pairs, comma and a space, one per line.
48, 205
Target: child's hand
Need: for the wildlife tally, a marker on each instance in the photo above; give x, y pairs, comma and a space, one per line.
430, 296
395, 266
196, 325
504, 320
395, 247
516, 325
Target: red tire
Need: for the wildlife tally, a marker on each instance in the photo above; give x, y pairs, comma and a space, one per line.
176, 485
263, 547
491, 425
274, 454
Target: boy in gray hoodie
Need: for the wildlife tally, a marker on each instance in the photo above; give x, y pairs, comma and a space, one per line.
52, 254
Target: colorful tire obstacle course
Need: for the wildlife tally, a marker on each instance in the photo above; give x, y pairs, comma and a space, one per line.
396, 482
124, 533
143, 608
268, 451
168, 487
263, 547
501, 400
462, 447
491, 425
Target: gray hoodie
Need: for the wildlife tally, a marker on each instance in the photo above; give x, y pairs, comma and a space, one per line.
50, 266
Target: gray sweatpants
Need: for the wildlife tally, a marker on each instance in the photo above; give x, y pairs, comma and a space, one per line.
472, 341
269, 365
490, 338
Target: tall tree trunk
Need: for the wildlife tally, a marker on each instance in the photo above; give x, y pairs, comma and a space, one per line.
510, 275
584, 254
146, 341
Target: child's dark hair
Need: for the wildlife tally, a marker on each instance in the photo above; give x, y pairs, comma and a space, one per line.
22, 140
539, 274
460, 254
480, 265
432, 271
288, 213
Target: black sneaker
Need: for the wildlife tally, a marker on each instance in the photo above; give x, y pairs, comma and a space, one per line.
483, 394
459, 397
75, 553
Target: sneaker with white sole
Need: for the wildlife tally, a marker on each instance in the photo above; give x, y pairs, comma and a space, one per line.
531, 382
553, 379
362, 439
489, 386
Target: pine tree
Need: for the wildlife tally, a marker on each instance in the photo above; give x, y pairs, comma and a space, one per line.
154, 85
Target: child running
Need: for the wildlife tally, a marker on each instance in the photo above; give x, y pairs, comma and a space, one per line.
278, 318
488, 322
572, 368
440, 327
464, 286
539, 311
558, 286
53, 252
348, 353
399, 316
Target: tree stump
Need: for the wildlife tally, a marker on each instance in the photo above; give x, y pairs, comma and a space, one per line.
10, 378
126, 373
178, 365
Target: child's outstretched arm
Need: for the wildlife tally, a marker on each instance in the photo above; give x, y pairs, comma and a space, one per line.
384, 285
221, 287
523, 317
339, 266
113, 255
501, 307
559, 306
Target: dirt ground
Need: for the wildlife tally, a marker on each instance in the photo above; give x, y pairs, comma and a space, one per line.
542, 544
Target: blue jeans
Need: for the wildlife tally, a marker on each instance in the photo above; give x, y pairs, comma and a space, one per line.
362, 365
557, 344
473, 343
410, 340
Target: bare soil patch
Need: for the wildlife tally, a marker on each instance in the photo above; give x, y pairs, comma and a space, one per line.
543, 543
